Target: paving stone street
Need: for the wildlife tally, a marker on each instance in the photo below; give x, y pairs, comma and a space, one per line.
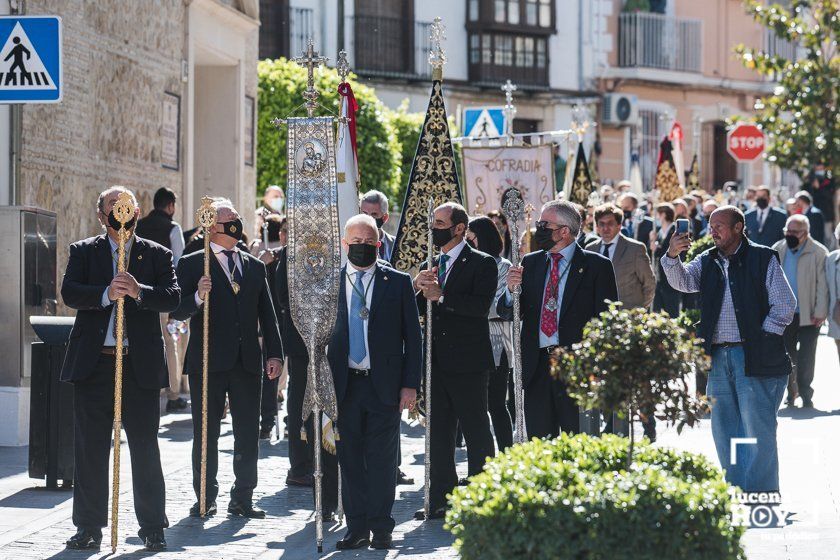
35, 522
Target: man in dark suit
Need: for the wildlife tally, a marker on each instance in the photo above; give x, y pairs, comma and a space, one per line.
563, 287
634, 227
665, 298
461, 287
375, 204
764, 223
300, 450
375, 354
241, 309
805, 204
91, 285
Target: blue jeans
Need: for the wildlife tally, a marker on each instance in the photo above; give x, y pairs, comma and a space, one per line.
745, 407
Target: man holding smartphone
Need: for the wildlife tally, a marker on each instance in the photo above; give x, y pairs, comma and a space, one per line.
741, 322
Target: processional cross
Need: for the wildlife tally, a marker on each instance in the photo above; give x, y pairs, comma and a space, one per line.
311, 60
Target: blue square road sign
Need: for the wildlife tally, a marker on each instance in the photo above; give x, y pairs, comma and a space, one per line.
30, 59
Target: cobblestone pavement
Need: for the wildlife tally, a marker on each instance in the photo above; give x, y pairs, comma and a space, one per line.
35, 522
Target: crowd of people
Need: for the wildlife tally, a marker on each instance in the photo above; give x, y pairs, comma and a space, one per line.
762, 291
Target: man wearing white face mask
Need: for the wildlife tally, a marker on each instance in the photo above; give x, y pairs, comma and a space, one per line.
274, 201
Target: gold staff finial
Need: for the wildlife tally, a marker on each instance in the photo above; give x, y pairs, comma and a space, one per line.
342, 66
437, 58
311, 60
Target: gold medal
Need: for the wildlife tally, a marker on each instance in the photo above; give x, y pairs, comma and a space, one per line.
235, 286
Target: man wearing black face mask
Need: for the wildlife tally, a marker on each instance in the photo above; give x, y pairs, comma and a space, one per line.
241, 309
460, 288
375, 205
92, 285
764, 223
563, 287
375, 356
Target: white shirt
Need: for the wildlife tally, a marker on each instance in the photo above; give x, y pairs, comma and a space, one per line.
176, 242
610, 250
106, 301
223, 261
367, 289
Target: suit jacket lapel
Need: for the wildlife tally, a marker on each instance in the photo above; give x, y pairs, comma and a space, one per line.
220, 273
136, 255
105, 257
620, 249
245, 265
573, 278
457, 265
380, 285
540, 271
342, 321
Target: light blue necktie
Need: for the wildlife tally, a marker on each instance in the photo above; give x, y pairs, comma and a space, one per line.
357, 324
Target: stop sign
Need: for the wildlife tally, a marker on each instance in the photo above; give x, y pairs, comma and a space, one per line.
745, 142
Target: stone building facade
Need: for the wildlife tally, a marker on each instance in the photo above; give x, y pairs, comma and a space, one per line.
156, 93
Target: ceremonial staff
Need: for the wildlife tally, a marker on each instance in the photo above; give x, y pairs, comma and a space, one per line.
124, 210
513, 207
206, 218
427, 399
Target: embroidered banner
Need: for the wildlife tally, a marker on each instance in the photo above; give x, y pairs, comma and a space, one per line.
314, 252
490, 171
433, 175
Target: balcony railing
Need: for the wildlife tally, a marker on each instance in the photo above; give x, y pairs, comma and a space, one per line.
389, 47
776, 46
657, 41
301, 29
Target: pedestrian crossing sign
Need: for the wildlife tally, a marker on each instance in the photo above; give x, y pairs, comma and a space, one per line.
30, 59
484, 122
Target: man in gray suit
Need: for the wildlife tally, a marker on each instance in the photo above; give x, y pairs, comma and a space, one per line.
633, 274
375, 204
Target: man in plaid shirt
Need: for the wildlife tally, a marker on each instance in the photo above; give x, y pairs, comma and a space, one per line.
745, 305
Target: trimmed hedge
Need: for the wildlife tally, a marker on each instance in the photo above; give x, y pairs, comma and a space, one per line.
570, 498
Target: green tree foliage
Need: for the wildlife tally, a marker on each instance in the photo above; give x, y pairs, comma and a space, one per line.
572, 498
406, 128
632, 360
800, 118
281, 86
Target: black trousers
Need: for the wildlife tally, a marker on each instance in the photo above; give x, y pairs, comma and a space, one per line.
801, 344
497, 393
300, 451
93, 423
457, 398
548, 408
243, 393
367, 453
666, 298
268, 402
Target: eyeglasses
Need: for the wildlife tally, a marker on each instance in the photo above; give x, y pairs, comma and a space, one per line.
545, 224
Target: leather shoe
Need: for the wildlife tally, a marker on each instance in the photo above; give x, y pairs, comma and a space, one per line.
85, 539
306, 480
403, 479
155, 542
438, 513
327, 516
210, 509
381, 541
265, 433
245, 510
176, 405
352, 541
807, 403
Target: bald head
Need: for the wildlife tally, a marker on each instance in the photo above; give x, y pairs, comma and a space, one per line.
361, 226
732, 214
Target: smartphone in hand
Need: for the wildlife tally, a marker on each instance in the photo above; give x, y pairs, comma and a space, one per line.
682, 226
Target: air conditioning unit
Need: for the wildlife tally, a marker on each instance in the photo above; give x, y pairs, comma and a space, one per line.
620, 109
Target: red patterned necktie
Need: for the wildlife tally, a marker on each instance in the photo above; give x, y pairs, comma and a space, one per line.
548, 323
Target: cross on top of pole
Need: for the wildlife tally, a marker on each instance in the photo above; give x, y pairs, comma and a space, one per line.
510, 108
437, 58
311, 60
